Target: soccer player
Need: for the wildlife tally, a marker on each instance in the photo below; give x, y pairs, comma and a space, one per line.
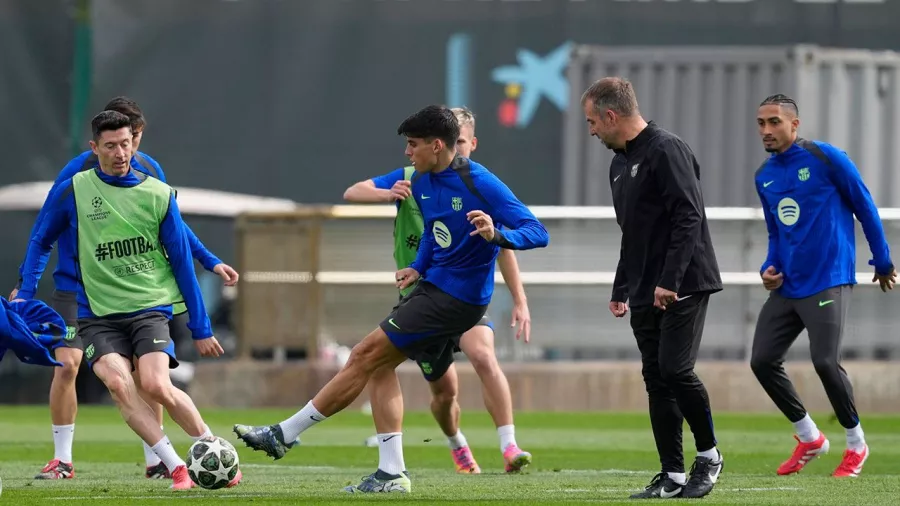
810, 191
478, 342
459, 200
134, 262
63, 399
669, 267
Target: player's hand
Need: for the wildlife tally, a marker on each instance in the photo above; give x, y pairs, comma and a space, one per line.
401, 190
522, 316
406, 277
227, 273
618, 309
13, 293
887, 281
484, 225
772, 280
209, 347
663, 297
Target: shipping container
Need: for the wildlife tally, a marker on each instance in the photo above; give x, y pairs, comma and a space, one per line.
709, 97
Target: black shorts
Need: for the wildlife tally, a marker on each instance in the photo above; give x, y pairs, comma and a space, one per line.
178, 328
66, 304
133, 336
426, 326
484, 321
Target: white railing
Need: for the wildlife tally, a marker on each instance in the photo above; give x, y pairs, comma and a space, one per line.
547, 213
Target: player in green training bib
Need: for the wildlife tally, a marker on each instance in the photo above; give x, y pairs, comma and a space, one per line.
134, 262
477, 343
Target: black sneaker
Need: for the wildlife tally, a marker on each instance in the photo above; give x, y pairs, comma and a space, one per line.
704, 474
265, 438
660, 487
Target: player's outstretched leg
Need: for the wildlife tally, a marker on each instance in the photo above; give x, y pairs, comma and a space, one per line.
63, 408
153, 368
387, 413
115, 372
445, 408
478, 345
372, 353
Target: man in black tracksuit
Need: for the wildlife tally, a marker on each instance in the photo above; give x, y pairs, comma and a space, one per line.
667, 270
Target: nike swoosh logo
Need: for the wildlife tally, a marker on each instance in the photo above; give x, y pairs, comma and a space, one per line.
766, 185
825, 302
314, 418
391, 321
385, 440
425, 197
666, 494
159, 341
679, 299
617, 178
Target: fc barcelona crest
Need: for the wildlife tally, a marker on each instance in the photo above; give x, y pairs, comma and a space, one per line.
456, 203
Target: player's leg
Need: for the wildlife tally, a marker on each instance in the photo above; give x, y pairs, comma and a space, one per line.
478, 345
387, 413
825, 315
665, 417
445, 409
107, 344
155, 469
63, 397
777, 327
681, 330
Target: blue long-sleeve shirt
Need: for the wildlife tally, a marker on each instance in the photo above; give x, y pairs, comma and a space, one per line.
64, 277
809, 195
458, 263
61, 216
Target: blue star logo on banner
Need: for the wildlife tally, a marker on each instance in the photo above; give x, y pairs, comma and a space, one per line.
534, 78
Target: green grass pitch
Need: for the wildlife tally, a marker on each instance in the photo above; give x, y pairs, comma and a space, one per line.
578, 458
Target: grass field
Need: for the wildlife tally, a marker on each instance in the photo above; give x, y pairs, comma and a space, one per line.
578, 458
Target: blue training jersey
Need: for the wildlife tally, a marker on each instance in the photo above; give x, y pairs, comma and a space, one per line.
809, 196
65, 276
460, 264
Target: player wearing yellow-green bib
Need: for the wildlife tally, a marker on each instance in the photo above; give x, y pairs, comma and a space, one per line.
134, 263
478, 342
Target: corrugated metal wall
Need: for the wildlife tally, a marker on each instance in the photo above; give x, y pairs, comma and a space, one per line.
709, 97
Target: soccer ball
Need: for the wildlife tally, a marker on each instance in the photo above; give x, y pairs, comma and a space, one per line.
212, 462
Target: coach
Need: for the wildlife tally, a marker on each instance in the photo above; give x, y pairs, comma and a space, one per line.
667, 270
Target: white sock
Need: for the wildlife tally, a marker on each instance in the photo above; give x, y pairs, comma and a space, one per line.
206, 433
167, 454
458, 441
302, 420
507, 435
62, 442
712, 454
390, 453
679, 478
856, 440
806, 429
150, 457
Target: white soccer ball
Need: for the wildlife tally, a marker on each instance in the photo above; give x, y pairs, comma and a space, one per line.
212, 462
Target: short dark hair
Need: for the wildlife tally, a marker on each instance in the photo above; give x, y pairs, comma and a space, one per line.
129, 108
108, 121
782, 101
613, 93
432, 122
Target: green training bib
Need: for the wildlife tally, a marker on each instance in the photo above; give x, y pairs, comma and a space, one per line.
408, 228
123, 266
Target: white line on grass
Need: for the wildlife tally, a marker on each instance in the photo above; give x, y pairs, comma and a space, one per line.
173, 495
629, 490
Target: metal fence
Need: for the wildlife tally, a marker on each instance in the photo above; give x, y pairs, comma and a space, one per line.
341, 288
709, 97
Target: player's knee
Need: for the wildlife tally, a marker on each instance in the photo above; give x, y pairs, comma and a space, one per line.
484, 362
70, 364
762, 365
443, 394
118, 383
825, 365
157, 388
672, 373
366, 356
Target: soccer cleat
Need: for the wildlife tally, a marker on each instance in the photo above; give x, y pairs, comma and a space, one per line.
181, 480
266, 438
465, 462
704, 474
852, 463
56, 470
237, 479
660, 487
803, 453
382, 482
516, 459
157, 472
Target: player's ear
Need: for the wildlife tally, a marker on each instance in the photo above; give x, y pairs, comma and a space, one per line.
795, 124
474, 143
94, 147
